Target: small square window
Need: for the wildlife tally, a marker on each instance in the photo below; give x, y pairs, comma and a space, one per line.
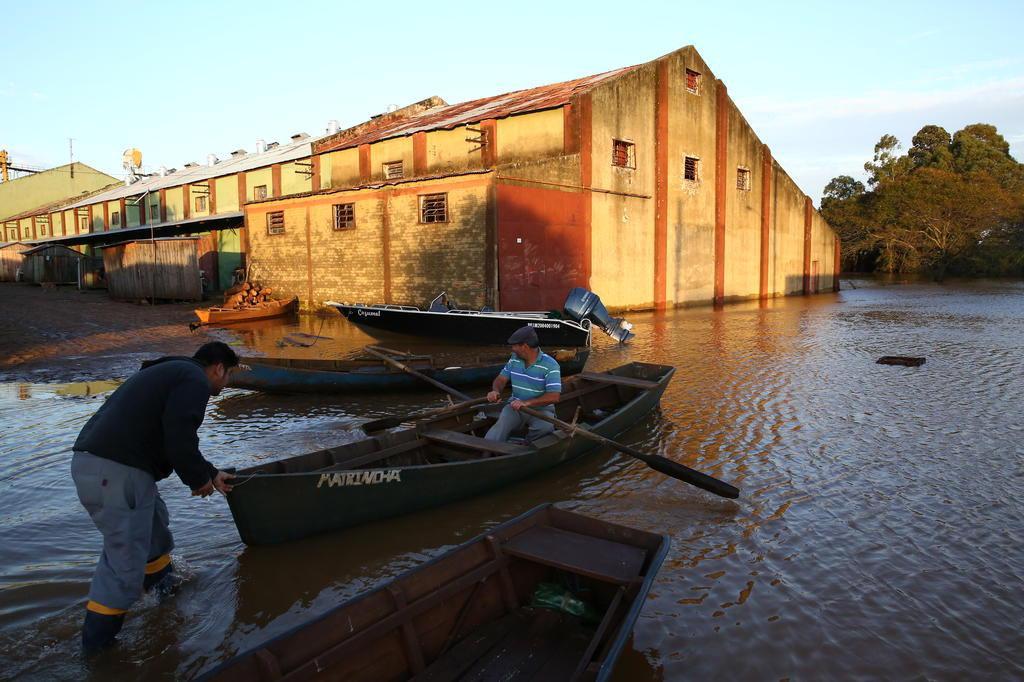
393, 170
691, 169
259, 192
275, 222
743, 179
344, 216
623, 154
84, 222
433, 208
693, 79
200, 203
115, 218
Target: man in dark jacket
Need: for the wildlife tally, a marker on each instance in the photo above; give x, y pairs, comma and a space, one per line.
145, 430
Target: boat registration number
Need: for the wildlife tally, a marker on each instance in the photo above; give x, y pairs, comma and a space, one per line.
343, 478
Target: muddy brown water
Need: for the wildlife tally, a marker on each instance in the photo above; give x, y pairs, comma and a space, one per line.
879, 533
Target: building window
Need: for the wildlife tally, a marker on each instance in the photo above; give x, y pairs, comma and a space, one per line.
84, 222
743, 179
259, 192
42, 226
623, 154
344, 216
693, 81
115, 219
154, 213
691, 169
393, 170
433, 208
275, 222
200, 203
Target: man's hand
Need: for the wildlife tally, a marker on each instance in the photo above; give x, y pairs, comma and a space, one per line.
220, 482
493, 397
516, 404
205, 491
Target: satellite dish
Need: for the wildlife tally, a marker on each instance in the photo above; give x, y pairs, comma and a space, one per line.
131, 159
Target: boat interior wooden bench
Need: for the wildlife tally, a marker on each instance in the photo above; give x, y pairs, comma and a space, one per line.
464, 440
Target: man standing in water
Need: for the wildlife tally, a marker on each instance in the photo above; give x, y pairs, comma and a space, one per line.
145, 430
536, 382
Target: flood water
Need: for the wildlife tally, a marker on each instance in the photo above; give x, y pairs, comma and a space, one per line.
879, 533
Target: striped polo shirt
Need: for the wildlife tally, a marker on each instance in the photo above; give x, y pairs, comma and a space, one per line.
543, 376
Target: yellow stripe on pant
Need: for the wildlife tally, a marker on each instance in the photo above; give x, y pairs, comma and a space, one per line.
158, 564
99, 608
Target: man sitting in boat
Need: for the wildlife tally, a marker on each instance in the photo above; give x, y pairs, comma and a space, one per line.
536, 382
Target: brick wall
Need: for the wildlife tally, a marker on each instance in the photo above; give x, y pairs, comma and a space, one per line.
388, 256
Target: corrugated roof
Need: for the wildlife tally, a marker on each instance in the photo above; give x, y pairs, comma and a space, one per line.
233, 164
474, 111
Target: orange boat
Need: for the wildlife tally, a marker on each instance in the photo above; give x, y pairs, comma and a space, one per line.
247, 313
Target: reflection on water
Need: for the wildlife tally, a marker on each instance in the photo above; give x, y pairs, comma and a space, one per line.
878, 534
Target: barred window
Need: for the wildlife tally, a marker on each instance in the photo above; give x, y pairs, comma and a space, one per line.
115, 218
259, 192
693, 81
201, 203
623, 154
743, 179
691, 168
393, 170
433, 208
275, 222
344, 216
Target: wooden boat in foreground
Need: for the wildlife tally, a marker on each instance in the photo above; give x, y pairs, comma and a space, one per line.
248, 313
294, 375
472, 613
439, 460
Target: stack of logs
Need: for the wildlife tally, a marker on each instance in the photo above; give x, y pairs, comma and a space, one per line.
247, 294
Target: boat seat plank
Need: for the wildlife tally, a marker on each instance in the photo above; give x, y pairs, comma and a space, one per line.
603, 560
620, 381
539, 637
475, 442
455, 662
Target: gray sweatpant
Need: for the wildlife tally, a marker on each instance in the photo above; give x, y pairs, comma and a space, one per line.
509, 420
128, 511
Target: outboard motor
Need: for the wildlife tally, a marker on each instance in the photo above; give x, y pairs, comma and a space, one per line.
581, 304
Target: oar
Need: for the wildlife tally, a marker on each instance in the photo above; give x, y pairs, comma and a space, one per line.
656, 462
419, 375
391, 422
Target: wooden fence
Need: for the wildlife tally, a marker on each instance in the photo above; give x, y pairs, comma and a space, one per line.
158, 269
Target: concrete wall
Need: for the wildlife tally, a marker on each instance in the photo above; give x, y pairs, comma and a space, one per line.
622, 227
295, 177
786, 255
28, 192
227, 193
389, 256
527, 136
253, 179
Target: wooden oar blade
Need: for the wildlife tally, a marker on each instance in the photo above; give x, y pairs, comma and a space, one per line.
691, 476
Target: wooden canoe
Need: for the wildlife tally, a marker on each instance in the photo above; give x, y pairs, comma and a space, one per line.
471, 613
248, 313
294, 375
439, 460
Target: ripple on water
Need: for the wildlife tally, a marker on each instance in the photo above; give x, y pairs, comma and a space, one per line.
878, 534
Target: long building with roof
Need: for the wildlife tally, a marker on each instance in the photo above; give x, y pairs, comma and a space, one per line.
644, 184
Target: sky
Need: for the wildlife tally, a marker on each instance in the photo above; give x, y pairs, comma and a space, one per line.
819, 82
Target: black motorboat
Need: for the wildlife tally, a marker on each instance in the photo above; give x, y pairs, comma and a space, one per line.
572, 327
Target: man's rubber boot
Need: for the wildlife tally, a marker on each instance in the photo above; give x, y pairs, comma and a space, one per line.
164, 582
99, 631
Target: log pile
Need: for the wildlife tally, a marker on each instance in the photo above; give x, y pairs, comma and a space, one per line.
247, 294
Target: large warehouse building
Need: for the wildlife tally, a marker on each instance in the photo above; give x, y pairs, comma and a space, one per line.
645, 184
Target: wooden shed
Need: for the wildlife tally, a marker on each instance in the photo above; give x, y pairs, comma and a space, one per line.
165, 268
11, 260
51, 264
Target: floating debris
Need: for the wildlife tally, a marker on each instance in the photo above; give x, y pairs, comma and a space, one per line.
903, 360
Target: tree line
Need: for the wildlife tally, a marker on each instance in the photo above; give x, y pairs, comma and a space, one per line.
951, 205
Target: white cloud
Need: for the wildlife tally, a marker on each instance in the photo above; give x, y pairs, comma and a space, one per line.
882, 102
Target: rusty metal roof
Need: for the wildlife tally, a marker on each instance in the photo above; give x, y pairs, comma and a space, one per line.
452, 116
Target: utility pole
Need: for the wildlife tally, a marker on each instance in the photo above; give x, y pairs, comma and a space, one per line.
71, 157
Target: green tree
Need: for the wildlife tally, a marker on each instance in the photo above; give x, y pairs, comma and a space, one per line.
980, 147
888, 164
931, 148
